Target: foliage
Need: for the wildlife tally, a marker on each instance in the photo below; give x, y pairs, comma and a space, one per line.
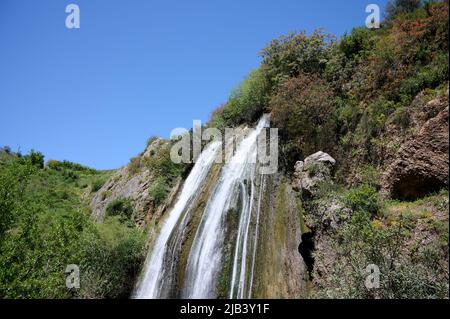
396, 7
135, 165
97, 184
36, 159
308, 100
363, 242
160, 163
44, 226
296, 53
67, 165
364, 198
158, 190
246, 103
120, 207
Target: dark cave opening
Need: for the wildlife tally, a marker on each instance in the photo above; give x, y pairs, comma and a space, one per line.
411, 187
306, 249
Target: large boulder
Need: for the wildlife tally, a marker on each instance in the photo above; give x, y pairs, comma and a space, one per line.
421, 165
315, 169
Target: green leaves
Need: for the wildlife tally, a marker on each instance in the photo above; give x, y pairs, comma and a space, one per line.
158, 190
45, 226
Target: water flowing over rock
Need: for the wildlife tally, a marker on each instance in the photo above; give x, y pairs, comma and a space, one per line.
231, 233
237, 179
150, 286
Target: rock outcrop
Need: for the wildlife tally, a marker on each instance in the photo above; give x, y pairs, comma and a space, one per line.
308, 174
421, 165
280, 271
125, 184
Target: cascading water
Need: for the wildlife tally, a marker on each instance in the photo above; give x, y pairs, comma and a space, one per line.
154, 269
205, 255
195, 228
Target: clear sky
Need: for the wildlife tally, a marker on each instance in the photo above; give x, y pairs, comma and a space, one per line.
135, 68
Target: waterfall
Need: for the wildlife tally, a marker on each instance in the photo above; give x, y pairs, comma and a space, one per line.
187, 257
203, 266
152, 281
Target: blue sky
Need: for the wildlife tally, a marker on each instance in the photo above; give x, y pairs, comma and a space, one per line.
135, 68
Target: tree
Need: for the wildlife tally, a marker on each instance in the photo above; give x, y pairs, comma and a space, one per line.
303, 111
396, 7
296, 53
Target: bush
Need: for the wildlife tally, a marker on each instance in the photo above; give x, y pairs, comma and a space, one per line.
316, 168
44, 227
363, 242
113, 257
120, 207
158, 190
246, 104
67, 165
364, 198
308, 100
396, 7
296, 53
160, 164
96, 185
135, 165
36, 159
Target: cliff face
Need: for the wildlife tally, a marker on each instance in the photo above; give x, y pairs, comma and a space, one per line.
421, 164
134, 184
280, 270
404, 232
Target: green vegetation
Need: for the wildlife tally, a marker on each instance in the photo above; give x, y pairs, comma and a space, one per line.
343, 97
121, 207
97, 184
363, 198
393, 243
45, 226
340, 96
389, 234
159, 190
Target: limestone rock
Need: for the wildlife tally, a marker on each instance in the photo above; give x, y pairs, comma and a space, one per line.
125, 185
321, 157
421, 165
308, 174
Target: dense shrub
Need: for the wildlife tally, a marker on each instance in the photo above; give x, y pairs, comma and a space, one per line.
97, 184
396, 7
363, 242
36, 159
364, 198
121, 207
44, 227
303, 112
296, 53
67, 165
158, 190
160, 163
246, 103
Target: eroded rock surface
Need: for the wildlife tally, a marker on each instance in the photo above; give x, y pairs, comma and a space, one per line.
308, 174
421, 165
